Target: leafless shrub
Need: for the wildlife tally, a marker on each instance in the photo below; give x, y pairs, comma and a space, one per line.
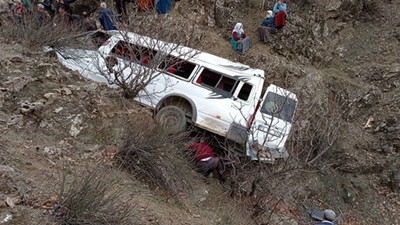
137, 60
155, 157
91, 198
315, 132
35, 32
268, 188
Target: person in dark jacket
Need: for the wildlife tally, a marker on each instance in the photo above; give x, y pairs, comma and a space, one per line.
107, 18
62, 17
48, 6
206, 161
65, 4
267, 27
41, 14
88, 23
163, 6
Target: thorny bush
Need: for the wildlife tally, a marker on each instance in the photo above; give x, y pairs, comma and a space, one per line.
34, 33
156, 157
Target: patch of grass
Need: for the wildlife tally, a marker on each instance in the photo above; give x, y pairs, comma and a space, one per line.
91, 198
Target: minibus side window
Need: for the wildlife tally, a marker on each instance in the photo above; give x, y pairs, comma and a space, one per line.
218, 81
136, 53
177, 67
245, 92
209, 78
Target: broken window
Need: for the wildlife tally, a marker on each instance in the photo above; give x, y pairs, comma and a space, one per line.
218, 81
135, 53
177, 67
245, 92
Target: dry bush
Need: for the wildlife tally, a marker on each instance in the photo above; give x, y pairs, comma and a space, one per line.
34, 33
156, 157
91, 198
271, 188
315, 132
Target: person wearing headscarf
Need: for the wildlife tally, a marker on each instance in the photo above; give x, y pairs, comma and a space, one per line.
267, 27
48, 6
280, 13
237, 35
41, 14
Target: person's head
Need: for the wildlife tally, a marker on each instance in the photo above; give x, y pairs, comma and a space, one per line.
40, 7
329, 215
269, 13
103, 5
62, 10
279, 2
239, 27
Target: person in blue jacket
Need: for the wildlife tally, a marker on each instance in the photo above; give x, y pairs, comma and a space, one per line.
269, 21
279, 6
280, 13
267, 27
107, 18
163, 6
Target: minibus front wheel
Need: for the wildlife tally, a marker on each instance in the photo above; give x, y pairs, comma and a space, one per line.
172, 118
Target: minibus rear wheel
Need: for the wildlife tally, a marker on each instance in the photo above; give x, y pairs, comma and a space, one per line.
172, 118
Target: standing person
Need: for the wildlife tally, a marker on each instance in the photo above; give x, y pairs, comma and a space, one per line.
48, 6
41, 14
163, 6
62, 17
65, 4
88, 23
280, 13
240, 41
206, 161
146, 4
20, 11
106, 17
267, 27
28, 4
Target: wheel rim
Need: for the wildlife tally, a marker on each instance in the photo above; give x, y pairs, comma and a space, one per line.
170, 119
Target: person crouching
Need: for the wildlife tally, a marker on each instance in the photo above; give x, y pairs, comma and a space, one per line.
206, 161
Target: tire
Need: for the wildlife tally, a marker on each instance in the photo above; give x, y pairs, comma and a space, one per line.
172, 118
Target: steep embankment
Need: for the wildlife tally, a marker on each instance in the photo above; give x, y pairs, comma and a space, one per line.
340, 57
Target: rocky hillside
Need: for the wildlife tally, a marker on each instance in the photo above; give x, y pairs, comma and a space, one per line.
341, 57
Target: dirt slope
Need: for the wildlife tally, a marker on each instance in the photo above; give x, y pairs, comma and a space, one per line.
50, 117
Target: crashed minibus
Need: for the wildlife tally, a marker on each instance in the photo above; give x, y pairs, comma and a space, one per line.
207, 91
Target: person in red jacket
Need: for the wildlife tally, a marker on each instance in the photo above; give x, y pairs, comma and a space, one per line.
206, 161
